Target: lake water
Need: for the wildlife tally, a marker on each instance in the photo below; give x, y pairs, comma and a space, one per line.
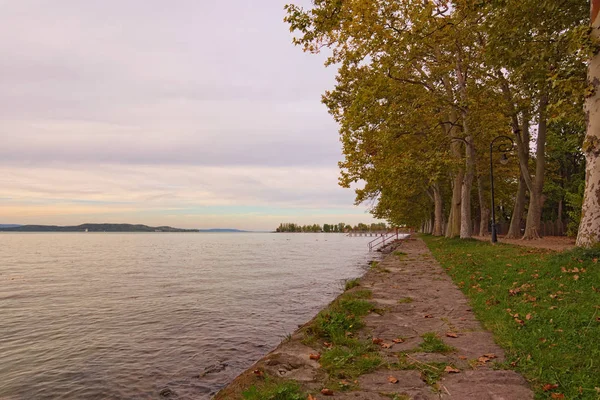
127, 316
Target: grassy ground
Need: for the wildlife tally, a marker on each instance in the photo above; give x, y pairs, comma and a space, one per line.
543, 308
344, 357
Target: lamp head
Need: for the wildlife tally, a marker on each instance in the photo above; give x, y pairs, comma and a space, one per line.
504, 159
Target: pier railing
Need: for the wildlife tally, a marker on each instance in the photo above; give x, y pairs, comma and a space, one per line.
380, 240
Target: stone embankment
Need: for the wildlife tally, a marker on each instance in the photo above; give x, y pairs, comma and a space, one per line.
429, 344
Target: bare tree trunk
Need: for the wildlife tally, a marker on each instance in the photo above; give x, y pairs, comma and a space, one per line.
589, 227
484, 210
514, 230
466, 227
536, 200
453, 226
438, 211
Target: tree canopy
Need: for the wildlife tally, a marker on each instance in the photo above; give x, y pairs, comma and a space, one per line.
424, 86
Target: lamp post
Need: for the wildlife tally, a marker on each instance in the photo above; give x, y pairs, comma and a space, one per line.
506, 144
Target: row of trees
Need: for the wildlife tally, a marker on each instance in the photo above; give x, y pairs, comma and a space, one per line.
333, 228
424, 86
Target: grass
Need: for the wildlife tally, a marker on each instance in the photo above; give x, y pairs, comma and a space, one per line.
405, 300
433, 344
351, 283
345, 358
348, 361
377, 267
275, 390
431, 372
543, 308
341, 318
399, 253
395, 396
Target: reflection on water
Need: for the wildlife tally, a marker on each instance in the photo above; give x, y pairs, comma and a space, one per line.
133, 315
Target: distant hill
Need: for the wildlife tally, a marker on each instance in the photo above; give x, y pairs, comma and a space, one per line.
94, 228
221, 230
9, 225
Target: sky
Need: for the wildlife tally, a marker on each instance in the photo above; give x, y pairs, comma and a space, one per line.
192, 113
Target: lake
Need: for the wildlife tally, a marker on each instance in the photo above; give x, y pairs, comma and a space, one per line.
134, 315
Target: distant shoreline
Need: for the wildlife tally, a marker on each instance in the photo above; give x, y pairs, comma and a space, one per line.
95, 228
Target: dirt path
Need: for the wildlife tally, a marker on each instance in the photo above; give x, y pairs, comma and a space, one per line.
556, 243
418, 298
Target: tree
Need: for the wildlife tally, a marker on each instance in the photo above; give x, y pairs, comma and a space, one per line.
589, 228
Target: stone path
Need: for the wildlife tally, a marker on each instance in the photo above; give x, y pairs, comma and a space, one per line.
432, 303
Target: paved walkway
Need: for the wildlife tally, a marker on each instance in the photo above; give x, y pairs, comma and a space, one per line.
432, 303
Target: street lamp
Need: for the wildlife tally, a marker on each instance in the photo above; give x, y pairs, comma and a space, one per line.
506, 144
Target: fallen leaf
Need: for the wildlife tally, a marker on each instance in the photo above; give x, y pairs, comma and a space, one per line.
519, 321
311, 397
549, 386
462, 357
386, 345
315, 356
451, 370
528, 317
451, 334
491, 356
258, 373
328, 345
558, 396
377, 340
576, 277
398, 340
428, 316
392, 379
327, 392
553, 308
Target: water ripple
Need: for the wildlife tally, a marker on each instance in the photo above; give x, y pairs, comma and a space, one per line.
128, 316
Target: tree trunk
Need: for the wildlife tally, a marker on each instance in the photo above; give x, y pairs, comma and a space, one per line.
589, 227
453, 226
466, 227
536, 200
484, 210
438, 211
514, 230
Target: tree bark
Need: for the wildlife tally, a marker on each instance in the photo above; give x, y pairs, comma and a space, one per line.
438, 211
589, 227
466, 223
536, 200
484, 210
453, 226
514, 231
466, 227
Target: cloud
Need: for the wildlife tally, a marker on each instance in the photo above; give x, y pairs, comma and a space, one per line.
145, 107
187, 195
